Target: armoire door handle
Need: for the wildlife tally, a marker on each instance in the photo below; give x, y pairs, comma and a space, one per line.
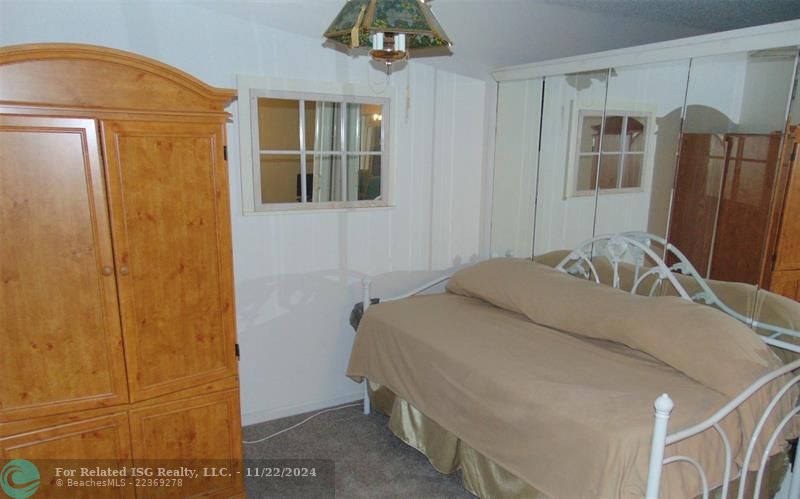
124, 270
107, 270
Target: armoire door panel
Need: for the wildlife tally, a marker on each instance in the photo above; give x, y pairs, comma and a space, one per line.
787, 255
786, 283
744, 207
697, 188
171, 229
102, 441
61, 344
198, 432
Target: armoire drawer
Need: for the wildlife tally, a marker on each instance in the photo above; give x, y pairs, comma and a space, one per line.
202, 431
102, 441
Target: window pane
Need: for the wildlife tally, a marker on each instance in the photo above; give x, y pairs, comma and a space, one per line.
323, 126
590, 133
632, 171
635, 133
278, 124
364, 177
280, 178
611, 134
364, 122
757, 147
587, 173
609, 171
327, 184
752, 186
717, 145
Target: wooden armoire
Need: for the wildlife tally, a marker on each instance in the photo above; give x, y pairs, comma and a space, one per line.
781, 272
721, 208
117, 329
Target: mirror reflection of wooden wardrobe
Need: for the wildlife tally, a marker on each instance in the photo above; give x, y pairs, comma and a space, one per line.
782, 267
721, 207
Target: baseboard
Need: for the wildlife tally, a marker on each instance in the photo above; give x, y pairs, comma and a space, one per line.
282, 412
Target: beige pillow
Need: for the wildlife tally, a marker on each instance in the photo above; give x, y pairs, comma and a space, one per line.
702, 342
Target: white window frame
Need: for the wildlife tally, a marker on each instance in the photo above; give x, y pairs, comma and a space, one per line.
572, 178
250, 155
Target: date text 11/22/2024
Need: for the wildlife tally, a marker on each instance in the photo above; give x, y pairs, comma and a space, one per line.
185, 472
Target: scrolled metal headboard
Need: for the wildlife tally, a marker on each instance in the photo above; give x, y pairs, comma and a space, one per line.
648, 254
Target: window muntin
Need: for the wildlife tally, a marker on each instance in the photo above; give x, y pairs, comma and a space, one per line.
336, 144
619, 157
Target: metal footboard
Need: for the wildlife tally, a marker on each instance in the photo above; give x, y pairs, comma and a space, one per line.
648, 254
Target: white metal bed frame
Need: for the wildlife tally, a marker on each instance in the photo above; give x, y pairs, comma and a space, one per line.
647, 253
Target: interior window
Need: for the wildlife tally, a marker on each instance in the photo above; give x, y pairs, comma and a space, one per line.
319, 151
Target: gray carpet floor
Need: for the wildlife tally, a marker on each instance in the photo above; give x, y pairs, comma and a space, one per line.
356, 456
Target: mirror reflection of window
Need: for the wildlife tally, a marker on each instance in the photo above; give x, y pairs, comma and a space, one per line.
318, 151
622, 156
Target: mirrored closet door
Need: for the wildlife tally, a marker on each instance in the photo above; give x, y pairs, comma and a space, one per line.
701, 151
517, 151
735, 118
640, 140
570, 159
729, 162
781, 268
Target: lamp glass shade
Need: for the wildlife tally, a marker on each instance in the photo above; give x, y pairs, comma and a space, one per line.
411, 17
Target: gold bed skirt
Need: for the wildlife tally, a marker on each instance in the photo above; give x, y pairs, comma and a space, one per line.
479, 474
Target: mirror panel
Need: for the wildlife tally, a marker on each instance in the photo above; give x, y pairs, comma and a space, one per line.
519, 105
570, 160
640, 141
736, 107
697, 151
781, 261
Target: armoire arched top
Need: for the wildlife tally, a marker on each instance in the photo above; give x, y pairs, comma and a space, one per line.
92, 77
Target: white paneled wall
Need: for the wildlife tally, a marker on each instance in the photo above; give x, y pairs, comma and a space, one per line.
298, 275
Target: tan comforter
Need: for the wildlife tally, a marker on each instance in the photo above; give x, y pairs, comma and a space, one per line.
764, 306
554, 377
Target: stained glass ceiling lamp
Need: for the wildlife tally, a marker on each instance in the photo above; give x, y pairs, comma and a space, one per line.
390, 28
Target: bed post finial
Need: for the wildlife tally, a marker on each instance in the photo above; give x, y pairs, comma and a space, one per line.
663, 406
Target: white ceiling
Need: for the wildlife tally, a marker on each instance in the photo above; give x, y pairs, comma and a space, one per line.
488, 34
